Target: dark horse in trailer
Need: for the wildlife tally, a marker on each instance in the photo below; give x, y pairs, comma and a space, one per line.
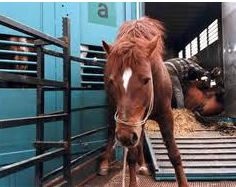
139, 88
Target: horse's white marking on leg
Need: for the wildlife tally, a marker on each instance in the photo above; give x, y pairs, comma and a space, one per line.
143, 168
126, 77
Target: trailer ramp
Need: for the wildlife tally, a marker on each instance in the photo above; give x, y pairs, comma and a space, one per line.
206, 155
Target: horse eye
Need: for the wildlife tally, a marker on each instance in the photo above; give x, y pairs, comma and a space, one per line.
109, 81
146, 80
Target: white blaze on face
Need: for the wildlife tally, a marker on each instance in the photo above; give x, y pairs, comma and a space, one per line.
126, 77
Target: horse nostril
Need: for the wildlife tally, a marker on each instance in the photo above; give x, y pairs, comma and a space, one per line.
134, 138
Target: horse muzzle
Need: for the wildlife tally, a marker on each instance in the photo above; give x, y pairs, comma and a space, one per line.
127, 138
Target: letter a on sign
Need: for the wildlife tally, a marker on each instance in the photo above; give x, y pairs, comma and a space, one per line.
103, 10
103, 13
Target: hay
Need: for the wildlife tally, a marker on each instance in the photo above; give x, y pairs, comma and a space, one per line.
184, 123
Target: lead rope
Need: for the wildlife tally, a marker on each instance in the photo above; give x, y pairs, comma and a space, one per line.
124, 166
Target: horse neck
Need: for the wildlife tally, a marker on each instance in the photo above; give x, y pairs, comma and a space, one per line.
161, 84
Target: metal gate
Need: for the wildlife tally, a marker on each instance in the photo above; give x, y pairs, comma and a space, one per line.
43, 85
47, 150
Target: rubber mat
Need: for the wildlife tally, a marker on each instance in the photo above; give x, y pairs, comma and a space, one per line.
206, 156
114, 179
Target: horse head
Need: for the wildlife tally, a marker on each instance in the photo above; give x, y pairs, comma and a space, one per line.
128, 79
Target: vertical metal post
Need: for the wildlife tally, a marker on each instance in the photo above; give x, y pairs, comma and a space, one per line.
67, 102
40, 111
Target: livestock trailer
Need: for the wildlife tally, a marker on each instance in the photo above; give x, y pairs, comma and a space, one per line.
53, 117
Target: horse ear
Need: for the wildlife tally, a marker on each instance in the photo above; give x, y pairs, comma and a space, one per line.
106, 47
152, 44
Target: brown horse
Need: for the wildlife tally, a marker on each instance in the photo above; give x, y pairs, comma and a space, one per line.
207, 102
23, 49
139, 87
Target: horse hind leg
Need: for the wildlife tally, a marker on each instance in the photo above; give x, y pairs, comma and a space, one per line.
166, 127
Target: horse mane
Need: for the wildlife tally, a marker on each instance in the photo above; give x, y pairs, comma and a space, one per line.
145, 27
131, 42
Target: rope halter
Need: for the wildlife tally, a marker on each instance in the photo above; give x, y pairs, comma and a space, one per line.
142, 122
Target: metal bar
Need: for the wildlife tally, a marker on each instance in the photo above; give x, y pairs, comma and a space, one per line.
54, 182
40, 111
93, 51
88, 133
92, 82
18, 52
49, 144
86, 88
67, 102
91, 74
42, 42
10, 77
55, 112
30, 31
9, 123
94, 59
53, 53
91, 67
63, 184
52, 173
18, 71
7, 42
87, 108
52, 89
12, 168
88, 61
17, 61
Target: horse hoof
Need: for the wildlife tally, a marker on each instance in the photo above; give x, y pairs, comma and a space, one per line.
143, 170
133, 185
103, 171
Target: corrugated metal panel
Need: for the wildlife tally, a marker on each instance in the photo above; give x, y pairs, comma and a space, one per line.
92, 75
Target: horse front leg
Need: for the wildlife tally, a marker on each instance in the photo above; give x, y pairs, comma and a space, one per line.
143, 169
132, 160
104, 164
167, 130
